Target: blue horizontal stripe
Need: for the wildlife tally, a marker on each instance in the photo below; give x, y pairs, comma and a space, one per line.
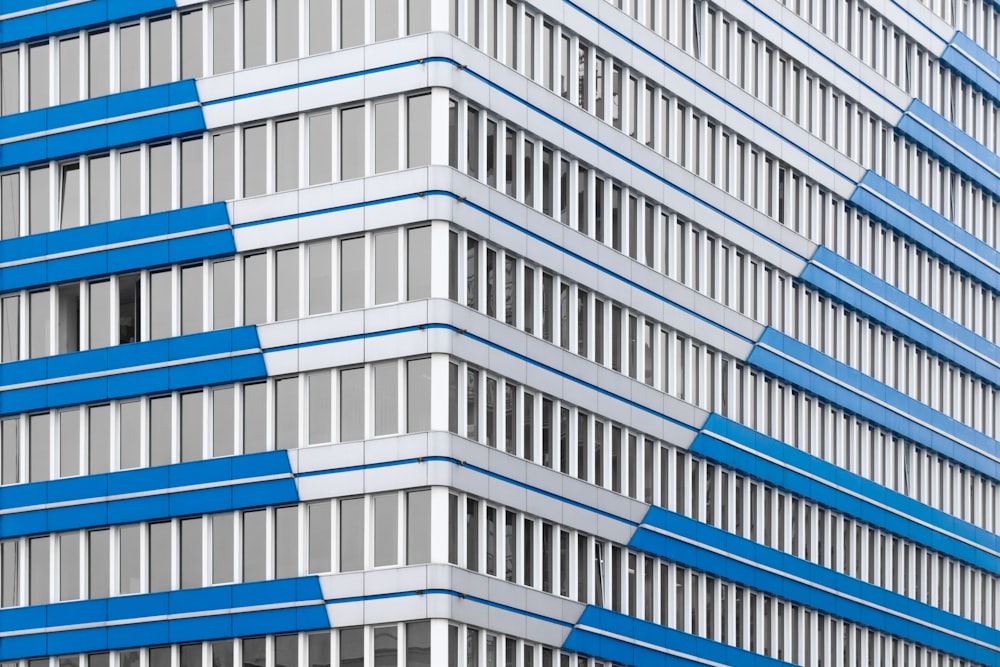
144, 480
229, 600
974, 65
951, 242
98, 109
851, 400
719, 557
877, 505
74, 17
145, 249
583, 640
911, 327
115, 134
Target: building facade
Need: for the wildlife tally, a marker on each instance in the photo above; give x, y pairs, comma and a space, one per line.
491, 333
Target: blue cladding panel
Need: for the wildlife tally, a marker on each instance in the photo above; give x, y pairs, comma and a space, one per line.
947, 152
975, 67
965, 142
66, 19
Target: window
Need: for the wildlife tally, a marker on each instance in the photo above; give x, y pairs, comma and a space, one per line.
10, 82
352, 155
38, 76
129, 71
418, 135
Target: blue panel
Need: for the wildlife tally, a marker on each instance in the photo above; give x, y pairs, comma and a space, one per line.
964, 141
974, 67
873, 504
74, 17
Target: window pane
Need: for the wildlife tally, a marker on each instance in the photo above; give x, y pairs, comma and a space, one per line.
160, 51
11, 321
286, 297
319, 407
286, 17
38, 324
100, 314
38, 76
352, 141
190, 655
160, 178
352, 23
10, 82
130, 434
223, 549
286, 651
286, 154
319, 278
99, 189
99, 64
418, 15
385, 646
254, 32
192, 448
160, 440
192, 176
387, 134
386, 529
386, 403
319, 537
223, 439
386, 15
99, 561
69, 70
69, 566
69, 443
191, 551
191, 44
192, 303
418, 395
129, 203
128, 308
160, 550
223, 294
254, 418
352, 273
222, 653
255, 289
286, 543
386, 267
160, 304
9, 574
222, 39
352, 404
254, 550
223, 181
418, 130
320, 20
286, 427
68, 318
38, 570
352, 524
39, 448
10, 201
38, 200
320, 155
418, 263
129, 556
128, 44
99, 439
9, 449
319, 649
418, 527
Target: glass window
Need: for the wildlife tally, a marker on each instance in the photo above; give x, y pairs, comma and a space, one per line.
386, 134
386, 403
160, 51
352, 647
386, 267
418, 262
255, 289
69, 443
254, 551
192, 448
223, 548
320, 22
223, 180
418, 16
319, 536
159, 178
10, 205
352, 140
418, 395
191, 44
222, 653
386, 15
192, 303
286, 297
130, 434
286, 651
128, 308
254, 417
352, 23
418, 527
190, 655
418, 130
38, 324
160, 431
160, 304
286, 545
286, 154
129, 558
38, 76
69, 566
160, 561
254, 160
99, 563
352, 525
319, 649
223, 294
223, 438
10, 82
352, 404
192, 176
99, 439
68, 318
130, 195
222, 39
38, 200
100, 314
130, 58
254, 651
38, 570
319, 406
9, 574
99, 64
69, 70
39, 448
99, 189
320, 148
286, 17
286, 426
11, 320
320, 279
352, 273
254, 33
385, 645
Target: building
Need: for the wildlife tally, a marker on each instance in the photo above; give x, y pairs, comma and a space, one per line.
490, 333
